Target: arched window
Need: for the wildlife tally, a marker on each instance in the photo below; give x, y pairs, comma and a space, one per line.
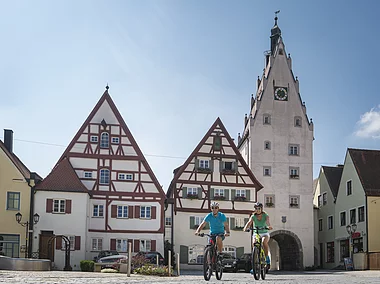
104, 140
104, 176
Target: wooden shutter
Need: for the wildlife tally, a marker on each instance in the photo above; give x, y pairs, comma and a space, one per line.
232, 223
248, 194
113, 211
246, 220
137, 211
49, 205
113, 244
221, 164
68, 206
211, 164
77, 243
235, 166
153, 245
192, 222
239, 252
233, 193
226, 194
184, 192
212, 193
199, 193
153, 212
136, 245
58, 242
196, 163
183, 254
130, 211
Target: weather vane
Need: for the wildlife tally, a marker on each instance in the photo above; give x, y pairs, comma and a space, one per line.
278, 11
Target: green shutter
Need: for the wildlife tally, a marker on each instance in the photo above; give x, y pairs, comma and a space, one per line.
221, 166
199, 193
248, 194
212, 193
183, 254
192, 222
246, 220
232, 223
235, 166
239, 252
196, 163
184, 192
233, 193
211, 164
226, 194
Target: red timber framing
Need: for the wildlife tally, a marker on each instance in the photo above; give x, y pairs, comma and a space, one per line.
216, 146
87, 145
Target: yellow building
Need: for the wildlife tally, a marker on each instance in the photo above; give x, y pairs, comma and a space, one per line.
16, 184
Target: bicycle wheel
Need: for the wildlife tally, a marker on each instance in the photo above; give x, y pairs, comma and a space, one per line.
256, 263
218, 269
263, 264
207, 264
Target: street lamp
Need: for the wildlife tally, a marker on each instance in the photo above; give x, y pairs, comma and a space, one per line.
27, 225
350, 230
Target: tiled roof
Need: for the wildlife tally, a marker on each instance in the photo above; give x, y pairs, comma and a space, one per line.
333, 176
367, 164
16, 161
62, 178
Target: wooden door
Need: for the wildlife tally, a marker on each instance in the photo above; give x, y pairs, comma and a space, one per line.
43, 246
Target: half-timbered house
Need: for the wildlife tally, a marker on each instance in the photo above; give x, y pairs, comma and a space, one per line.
121, 200
215, 170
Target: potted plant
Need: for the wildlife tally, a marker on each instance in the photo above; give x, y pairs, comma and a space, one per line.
269, 204
192, 196
293, 204
219, 197
240, 198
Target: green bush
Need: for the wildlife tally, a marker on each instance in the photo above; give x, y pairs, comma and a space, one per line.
150, 269
310, 268
87, 265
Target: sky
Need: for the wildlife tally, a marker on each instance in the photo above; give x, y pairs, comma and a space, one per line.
174, 66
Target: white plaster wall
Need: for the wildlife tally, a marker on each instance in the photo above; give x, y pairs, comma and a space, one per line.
123, 165
105, 112
86, 163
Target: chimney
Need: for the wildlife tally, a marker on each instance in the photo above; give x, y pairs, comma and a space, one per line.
8, 139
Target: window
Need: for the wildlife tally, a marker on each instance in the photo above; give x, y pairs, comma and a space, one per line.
192, 192
343, 218
115, 140
145, 212
97, 244
94, 139
145, 245
361, 214
267, 145
72, 243
294, 201
240, 193
294, 173
349, 187
13, 200
330, 222
59, 206
219, 192
297, 121
104, 176
204, 164
122, 245
87, 174
168, 221
358, 245
352, 216
266, 118
125, 176
198, 220
324, 198
294, 150
128, 176
330, 252
269, 200
239, 223
122, 211
229, 166
98, 210
320, 225
104, 140
319, 200
267, 171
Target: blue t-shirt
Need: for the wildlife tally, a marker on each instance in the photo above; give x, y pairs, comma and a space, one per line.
216, 223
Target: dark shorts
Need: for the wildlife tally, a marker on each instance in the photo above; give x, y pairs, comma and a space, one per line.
214, 237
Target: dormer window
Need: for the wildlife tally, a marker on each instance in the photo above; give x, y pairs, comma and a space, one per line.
266, 119
104, 140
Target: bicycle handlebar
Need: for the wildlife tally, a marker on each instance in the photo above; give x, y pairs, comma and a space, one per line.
256, 228
211, 235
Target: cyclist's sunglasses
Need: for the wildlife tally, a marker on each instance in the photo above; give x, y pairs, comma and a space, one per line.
214, 207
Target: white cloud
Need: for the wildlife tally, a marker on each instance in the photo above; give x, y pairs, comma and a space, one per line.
369, 124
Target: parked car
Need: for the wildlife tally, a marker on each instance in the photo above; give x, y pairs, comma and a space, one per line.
151, 256
244, 262
109, 261
104, 253
229, 262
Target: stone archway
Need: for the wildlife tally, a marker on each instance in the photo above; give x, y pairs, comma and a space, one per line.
290, 250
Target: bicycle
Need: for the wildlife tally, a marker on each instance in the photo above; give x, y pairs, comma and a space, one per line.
211, 261
259, 264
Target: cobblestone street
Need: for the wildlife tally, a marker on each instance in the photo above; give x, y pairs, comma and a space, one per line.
58, 277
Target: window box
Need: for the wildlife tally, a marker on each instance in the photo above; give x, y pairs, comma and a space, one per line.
204, 170
240, 198
269, 204
238, 228
295, 205
192, 196
294, 176
228, 171
219, 197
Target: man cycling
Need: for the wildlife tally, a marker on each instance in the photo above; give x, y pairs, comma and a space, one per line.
218, 225
260, 219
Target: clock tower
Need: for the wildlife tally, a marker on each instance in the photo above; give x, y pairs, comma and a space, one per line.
277, 144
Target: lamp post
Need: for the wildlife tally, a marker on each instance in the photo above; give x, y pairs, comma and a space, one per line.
27, 225
350, 230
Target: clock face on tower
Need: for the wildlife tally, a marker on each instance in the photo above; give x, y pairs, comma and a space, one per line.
281, 94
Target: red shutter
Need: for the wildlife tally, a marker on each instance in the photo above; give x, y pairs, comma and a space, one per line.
68, 206
58, 242
113, 244
77, 243
136, 245
113, 211
49, 205
137, 211
130, 211
153, 245
154, 212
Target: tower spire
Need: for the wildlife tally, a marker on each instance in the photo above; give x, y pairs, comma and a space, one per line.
275, 34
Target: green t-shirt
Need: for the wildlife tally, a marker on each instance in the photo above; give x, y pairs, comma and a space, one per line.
260, 223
